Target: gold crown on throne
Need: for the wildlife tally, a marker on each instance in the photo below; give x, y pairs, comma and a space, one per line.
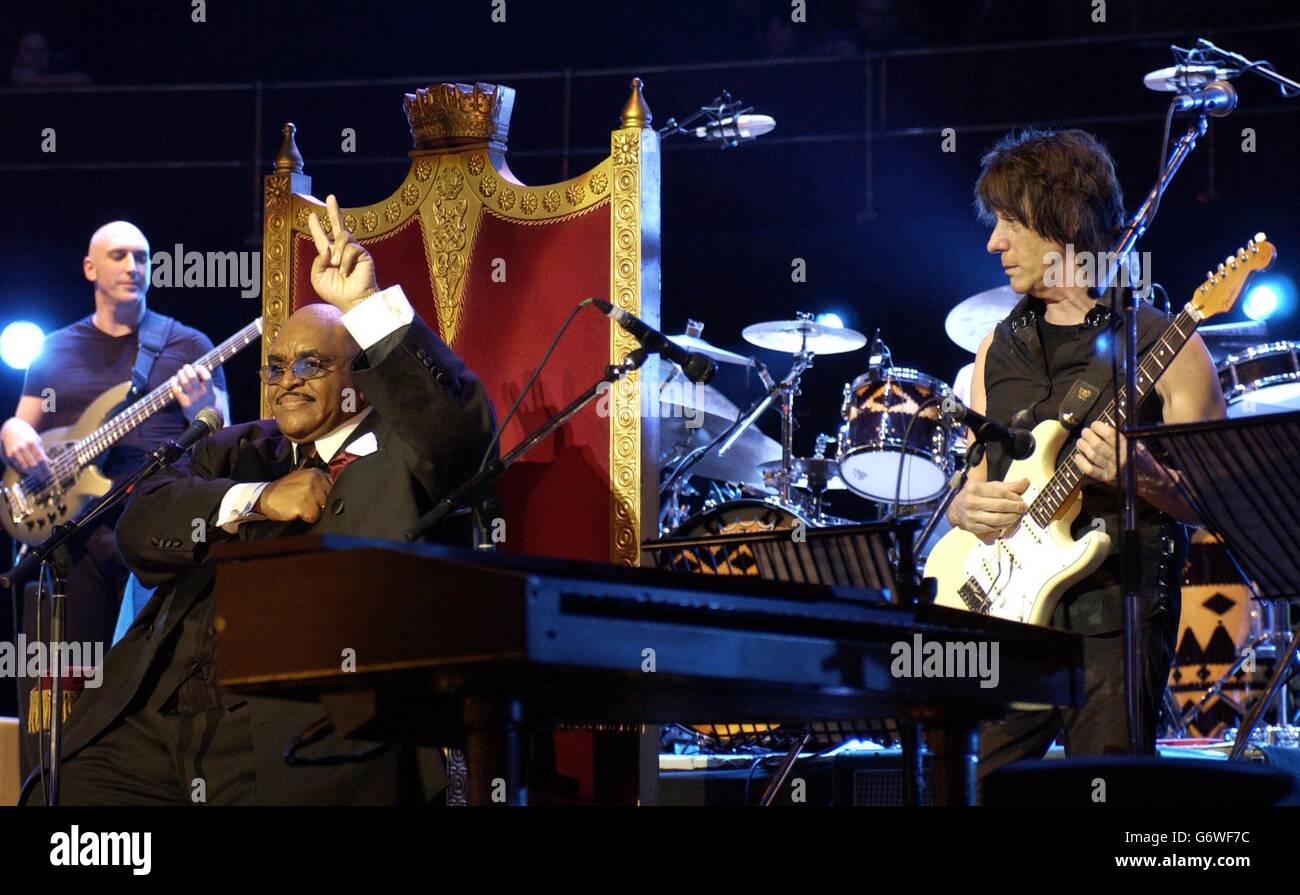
446, 115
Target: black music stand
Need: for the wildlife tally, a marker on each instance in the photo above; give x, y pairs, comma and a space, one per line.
1243, 477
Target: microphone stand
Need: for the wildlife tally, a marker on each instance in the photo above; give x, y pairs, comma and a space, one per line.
723, 113
732, 432
1262, 68
925, 594
41, 556
1130, 543
475, 488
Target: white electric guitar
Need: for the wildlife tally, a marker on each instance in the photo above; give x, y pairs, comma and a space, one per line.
1023, 574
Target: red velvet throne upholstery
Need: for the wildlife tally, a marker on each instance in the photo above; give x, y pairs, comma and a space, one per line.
494, 266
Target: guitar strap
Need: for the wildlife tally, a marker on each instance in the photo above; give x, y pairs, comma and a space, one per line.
154, 331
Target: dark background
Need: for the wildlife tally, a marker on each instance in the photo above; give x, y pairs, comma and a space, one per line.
177, 121
182, 118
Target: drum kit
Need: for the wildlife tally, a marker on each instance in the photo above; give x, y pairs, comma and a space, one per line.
724, 476
894, 447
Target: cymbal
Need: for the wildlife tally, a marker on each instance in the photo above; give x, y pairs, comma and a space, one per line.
683, 400
742, 461
822, 472
721, 355
693, 415
973, 319
793, 336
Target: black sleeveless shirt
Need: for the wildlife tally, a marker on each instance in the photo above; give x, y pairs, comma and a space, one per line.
1029, 369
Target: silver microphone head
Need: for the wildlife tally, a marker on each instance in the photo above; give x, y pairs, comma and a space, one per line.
210, 417
1185, 78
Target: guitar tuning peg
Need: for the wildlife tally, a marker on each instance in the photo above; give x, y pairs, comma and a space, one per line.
1209, 275
1260, 237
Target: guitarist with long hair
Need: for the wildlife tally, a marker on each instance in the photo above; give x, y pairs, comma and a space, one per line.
77, 364
1044, 192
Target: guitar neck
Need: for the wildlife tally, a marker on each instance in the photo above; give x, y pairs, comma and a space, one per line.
1060, 489
111, 432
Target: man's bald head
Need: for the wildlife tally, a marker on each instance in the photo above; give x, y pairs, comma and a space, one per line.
117, 262
309, 409
116, 233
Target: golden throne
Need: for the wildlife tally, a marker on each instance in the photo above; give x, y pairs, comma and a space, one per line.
494, 266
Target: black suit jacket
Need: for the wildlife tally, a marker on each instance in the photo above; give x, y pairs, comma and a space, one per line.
432, 421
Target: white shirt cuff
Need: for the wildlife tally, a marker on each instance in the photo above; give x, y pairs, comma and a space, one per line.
378, 316
237, 505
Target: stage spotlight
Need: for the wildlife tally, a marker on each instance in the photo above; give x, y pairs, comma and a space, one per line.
1261, 302
20, 344
1269, 297
830, 318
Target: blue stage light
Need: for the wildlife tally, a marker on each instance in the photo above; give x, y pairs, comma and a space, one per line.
830, 318
1261, 302
20, 344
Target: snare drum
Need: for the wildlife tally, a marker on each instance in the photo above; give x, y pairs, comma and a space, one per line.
1264, 379
878, 407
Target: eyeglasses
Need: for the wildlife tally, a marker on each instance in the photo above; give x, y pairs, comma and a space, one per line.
303, 368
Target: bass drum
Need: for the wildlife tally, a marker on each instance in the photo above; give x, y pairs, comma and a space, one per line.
1218, 619
736, 517
1263, 379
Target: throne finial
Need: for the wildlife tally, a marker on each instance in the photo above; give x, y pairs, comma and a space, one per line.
635, 111
288, 160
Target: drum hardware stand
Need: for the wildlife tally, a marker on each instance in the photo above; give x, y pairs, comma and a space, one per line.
1277, 684
699, 453
783, 770
472, 491
672, 511
785, 390
1268, 644
819, 485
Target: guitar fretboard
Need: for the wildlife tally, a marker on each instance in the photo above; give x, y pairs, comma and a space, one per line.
1061, 487
87, 449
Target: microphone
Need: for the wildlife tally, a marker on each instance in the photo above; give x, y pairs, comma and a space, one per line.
1018, 443
205, 423
1216, 99
876, 353
696, 366
1182, 78
736, 130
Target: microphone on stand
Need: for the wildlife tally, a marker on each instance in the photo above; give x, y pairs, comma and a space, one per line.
206, 421
736, 130
1217, 99
696, 366
1186, 78
1018, 443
